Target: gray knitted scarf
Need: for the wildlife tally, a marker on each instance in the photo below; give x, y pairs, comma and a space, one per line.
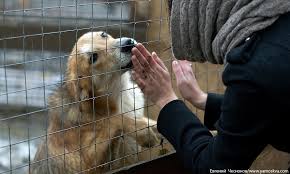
206, 30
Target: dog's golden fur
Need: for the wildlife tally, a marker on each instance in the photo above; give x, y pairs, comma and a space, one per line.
87, 125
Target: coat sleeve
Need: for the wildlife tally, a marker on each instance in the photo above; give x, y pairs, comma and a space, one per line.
212, 110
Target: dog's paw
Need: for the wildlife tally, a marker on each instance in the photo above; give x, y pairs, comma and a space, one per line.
149, 137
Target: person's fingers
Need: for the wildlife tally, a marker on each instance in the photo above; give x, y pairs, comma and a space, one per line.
147, 65
178, 72
160, 71
151, 70
159, 61
136, 64
138, 80
140, 58
152, 62
186, 66
141, 85
133, 74
186, 69
156, 68
143, 50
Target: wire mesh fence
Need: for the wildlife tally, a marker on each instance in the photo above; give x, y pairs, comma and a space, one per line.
53, 117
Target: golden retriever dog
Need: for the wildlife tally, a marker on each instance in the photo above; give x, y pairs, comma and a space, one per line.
96, 120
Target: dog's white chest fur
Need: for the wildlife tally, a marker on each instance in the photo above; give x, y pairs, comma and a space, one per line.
131, 98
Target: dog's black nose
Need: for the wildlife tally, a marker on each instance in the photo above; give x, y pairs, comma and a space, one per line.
127, 44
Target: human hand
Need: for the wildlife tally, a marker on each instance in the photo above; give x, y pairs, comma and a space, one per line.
152, 76
187, 84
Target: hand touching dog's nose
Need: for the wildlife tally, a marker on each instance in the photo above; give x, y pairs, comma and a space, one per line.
152, 76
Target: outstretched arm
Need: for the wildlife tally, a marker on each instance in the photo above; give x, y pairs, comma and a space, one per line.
240, 135
240, 127
190, 90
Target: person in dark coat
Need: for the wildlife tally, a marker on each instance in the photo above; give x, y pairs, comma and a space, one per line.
252, 39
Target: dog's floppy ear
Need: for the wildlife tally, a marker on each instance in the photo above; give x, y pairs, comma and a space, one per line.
78, 81
71, 77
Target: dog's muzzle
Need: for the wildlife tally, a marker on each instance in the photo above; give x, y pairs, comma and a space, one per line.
127, 44
128, 66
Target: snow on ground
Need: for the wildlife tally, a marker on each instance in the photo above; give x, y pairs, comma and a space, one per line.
16, 156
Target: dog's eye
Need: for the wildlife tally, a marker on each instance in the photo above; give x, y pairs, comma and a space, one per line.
93, 58
104, 35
